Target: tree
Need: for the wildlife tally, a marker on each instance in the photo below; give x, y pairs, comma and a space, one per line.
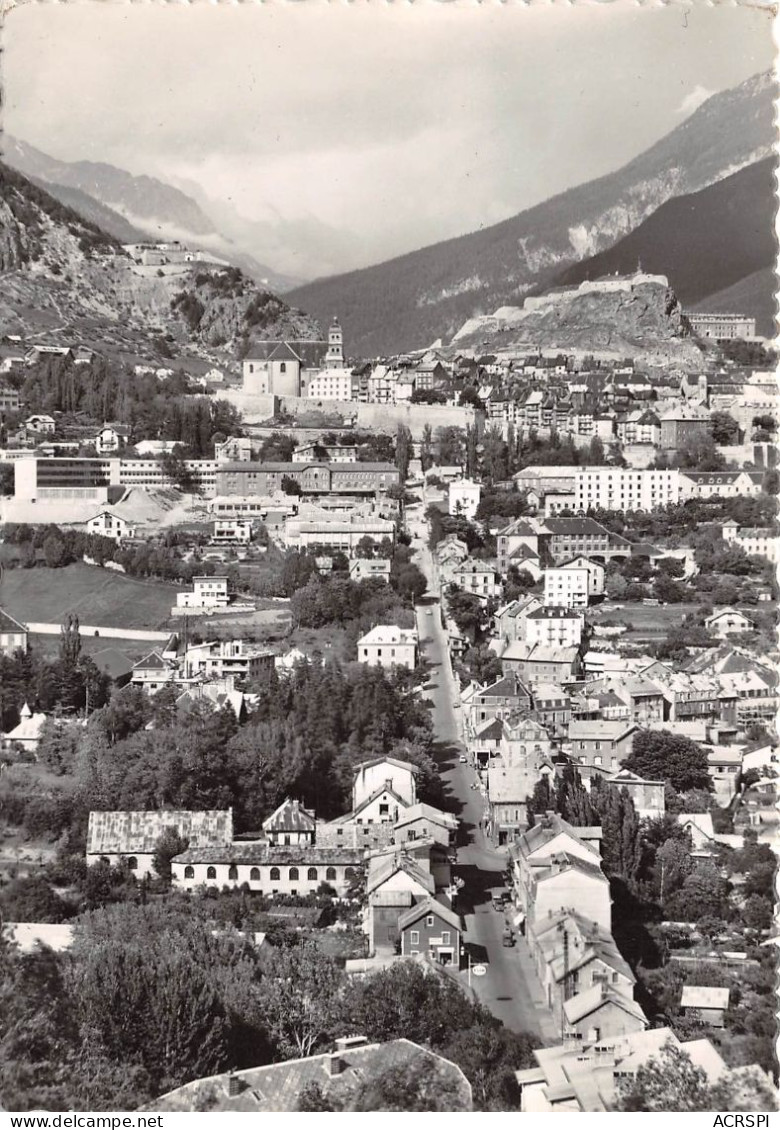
663, 755
703, 894
469, 398
489, 1055
669, 1081
724, 428
169, 844
573, 800
291, 485
300, 997
54, 551
366, 547
621, 844
421, 1084
426, 448
743, 1089
403, 451
673, 864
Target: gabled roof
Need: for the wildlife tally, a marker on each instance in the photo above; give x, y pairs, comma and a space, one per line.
290, 816
383, 868
704, 996
585, 1003
385, 761
112, 662
8, 624
426, 907
153, 661
283, 352
383, 790
422, 811
122, 832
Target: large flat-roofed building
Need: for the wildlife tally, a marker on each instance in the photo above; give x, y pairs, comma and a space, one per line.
722, 327
358, 479
618, 488
84, 478
340, 532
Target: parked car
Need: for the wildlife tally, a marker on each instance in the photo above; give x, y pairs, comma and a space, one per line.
463, 759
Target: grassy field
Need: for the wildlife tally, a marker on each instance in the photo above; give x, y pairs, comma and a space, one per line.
98, 596
49, 646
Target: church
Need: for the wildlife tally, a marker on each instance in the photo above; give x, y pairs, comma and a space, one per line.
286, 368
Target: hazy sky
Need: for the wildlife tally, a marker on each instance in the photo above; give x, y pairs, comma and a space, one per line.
355, 132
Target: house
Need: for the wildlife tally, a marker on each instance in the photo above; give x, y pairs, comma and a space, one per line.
291, 823
648, 797
387, 645
494, 700
479, 578
572, 954
433, 928
384, 772
220, 659
601, 1013
370, 569
153, 672
532, 851
573, 584
132, 837
484, 741
567, 881
551, 707
218, 695
509, 620
421, 822
111, 438
726, 622
524, 741
208, 592
724, 766
40, 425
705, 1004
107, 524
534, 663
508, 790
340, 1075
13, 634
583, 1075
554, 627
235, 449
395, 882
27, 734
463, 498
232, 531
601, 744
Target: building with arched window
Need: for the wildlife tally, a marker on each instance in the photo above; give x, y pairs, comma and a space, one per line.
133, 837
269, 868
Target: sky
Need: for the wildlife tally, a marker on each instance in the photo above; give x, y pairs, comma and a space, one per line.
333, 135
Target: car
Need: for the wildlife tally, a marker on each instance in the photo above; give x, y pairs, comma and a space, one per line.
463, 759
429, 612
456, 703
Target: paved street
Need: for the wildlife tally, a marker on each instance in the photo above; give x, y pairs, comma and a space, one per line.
510, 988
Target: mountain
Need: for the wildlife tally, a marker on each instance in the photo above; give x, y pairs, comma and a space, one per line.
64, 280
410, 301
705, 243
149, 208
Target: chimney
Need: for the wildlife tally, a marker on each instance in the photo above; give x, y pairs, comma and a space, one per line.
334, 1065
344, 1043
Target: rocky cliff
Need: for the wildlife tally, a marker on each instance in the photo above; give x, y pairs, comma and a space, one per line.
638, 318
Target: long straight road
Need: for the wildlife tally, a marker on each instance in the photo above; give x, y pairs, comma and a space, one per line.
510, 988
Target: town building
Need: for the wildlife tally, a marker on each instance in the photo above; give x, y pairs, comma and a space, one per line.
208, 592
722, 327
647, 797
315, 479
478, 578
220, 659
387, 645
27, 734
330, 384
325, 452
108, 524
13, 634
267, 868
231, 531
132, 837
705, 1004
625, 489
234, 449
600, 744
340, 1075
533, 662
370, 569
111, 438
554, 627
755, 541
429, 927
290, 823
726, 622
337, 532
464, 496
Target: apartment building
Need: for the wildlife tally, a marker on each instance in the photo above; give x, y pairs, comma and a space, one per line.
619, 488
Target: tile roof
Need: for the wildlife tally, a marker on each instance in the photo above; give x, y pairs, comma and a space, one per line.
112, 662
8, 624
278, 1086
281, 855
704, 996
126, 833
585, 1003
290, 816
426, 907
382, 868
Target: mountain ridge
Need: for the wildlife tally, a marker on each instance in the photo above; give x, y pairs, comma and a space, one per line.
409, 301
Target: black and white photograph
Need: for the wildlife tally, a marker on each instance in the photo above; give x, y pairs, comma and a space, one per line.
389, 531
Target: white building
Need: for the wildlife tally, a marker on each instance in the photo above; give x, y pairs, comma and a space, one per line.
224, 658
109, 525
235, 449
28, 733
232, 531
554, 627
464, 498
572, 584
330, 384
335, 452
479, 578
111, 438
618, 488
756, 541
208, 592
389, 646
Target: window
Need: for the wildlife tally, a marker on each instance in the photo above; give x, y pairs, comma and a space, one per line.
132, 863
283, 367
254, 875
349, 872
414, 937
189, 872
445, 937
211, 872
275, 874
311, 873
293, 873
232, 871
429, 920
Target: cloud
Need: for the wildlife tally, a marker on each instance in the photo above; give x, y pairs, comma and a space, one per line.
694, 99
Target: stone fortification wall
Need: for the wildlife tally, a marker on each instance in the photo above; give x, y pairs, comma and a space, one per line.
387, 417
